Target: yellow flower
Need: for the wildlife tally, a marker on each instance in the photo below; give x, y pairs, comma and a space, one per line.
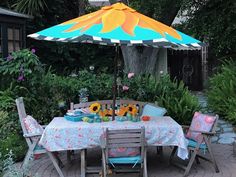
95, 108
119, 15
132, 109
105, 112
122, 111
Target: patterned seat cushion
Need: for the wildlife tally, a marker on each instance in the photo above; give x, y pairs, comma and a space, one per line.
123, 152
32, 126
153, 111
200, 122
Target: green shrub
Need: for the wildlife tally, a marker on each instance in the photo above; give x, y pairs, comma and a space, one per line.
16, 143
56, 92
221, 94
177, 99
8, 167
21, 67
141, 87
174, 96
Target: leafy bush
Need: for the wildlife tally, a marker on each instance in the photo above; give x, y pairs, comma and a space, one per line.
174, 96
177, 99
56, 92
10, 131
16, 143
21, 66
222, 91
142, 88
10, 169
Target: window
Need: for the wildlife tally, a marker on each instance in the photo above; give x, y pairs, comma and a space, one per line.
14, 39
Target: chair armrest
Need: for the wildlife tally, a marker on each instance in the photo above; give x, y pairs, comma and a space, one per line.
30, 135
203, 132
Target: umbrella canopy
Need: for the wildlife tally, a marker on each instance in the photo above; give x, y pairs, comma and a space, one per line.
118, 24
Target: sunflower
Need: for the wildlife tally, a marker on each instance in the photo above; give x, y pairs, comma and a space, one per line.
122, 111
125, 17
105, 112
132, 109
95, 108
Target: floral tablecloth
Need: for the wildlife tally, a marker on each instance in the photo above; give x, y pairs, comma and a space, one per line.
62, 134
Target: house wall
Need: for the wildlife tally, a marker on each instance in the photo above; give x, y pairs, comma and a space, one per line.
9, 21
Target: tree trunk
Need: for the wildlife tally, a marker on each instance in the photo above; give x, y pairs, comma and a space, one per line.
82, 4
142, 60
139, 60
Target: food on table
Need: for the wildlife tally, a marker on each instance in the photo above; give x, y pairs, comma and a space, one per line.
146, 118
85, 119
105, 119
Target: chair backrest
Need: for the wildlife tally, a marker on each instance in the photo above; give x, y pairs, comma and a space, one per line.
213, 129
107, 104
125, 138
201, 123
21, 112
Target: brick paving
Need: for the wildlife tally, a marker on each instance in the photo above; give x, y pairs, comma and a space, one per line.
158, 166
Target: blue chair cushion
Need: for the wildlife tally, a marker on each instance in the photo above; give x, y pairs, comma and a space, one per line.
38, 147
153, 111
125, 160
192, 143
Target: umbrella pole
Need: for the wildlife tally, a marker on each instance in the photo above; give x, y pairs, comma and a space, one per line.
114, 82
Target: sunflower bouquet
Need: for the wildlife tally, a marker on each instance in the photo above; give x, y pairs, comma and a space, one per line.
128, 112
94, 108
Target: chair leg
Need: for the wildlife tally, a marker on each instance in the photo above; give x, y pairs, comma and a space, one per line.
172, 154
68, 154
197, 160
141, 170
212, 157
159, 150
59, 162
83, 162
190, 163
27, 159
145, 164
104, 167
53, 159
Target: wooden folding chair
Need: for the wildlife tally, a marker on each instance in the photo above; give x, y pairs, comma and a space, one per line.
33, 139
124, 139
196, 147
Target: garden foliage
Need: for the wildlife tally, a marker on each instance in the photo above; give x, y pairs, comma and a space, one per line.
222, 91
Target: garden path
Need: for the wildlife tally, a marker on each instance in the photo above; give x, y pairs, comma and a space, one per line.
225, 130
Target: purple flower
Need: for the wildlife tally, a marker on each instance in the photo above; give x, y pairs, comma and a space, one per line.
21, 78
9, 58
33, 50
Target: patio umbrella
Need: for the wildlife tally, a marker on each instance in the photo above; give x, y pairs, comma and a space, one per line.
118, 25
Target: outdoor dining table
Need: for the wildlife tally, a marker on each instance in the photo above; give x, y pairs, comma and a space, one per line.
64, 135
